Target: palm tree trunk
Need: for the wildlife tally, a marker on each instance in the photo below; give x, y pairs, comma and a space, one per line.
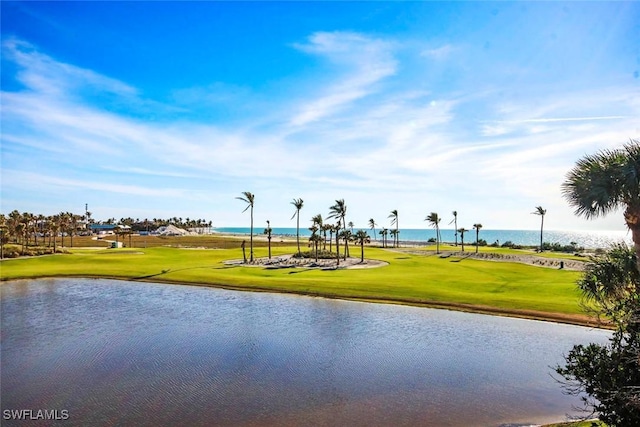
541, 227
455, 224
346, 241
338, 246
251, 237
298, 231
362, 251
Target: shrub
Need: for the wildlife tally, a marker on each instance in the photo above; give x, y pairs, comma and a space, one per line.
312, 254
510, 244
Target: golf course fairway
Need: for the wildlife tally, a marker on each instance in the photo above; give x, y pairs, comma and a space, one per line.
467, 284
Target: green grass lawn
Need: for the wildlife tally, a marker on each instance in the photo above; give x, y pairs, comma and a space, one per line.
414, 279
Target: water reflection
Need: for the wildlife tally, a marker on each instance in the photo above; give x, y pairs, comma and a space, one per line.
115, 353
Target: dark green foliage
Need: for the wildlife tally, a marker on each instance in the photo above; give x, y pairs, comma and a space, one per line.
510, 244
15, 251
312, 254
557, 247
610, 374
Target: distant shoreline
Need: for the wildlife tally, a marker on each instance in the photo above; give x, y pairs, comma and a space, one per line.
589, 240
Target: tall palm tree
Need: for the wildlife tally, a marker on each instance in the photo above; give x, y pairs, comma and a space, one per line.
298, 205
318, 222
249, 199
74, 221
434, 220
315, 238
336, 229
326, 227
347, 236
394, 234
606, 181
362, 237
339, 211
317, 226
454, 221
372, 226
54, 230
384, 233
542, 212
268, 231
330, 228
462, 231
394, 221
65, 225
477, 227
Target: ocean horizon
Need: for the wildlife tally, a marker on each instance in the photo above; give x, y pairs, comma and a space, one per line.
591, 239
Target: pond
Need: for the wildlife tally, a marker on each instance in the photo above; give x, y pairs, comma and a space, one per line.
123, 353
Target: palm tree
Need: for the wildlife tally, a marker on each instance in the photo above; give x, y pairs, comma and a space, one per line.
542, 213
268, 231
477, 227
336, 229
462, 231
249, 199
317, 226
372, 226
318, 222
384, 233
454, 221
63, 221
434, 220
393, 233
394, 221
74, 221
325, 228
362, 237
338, 211
606, 181
54, 229
347, 236
298, 204
330, 228
315, 238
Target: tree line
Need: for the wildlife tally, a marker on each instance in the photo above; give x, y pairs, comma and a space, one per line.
344, 231
27, 229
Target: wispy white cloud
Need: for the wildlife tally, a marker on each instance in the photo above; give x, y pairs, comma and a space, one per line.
364, 61
45, 75
438, 53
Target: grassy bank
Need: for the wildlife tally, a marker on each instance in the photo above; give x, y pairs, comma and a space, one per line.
463, 284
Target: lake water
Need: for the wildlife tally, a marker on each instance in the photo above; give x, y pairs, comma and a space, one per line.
586, 239
144, 354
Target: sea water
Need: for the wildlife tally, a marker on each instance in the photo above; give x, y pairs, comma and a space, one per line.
586, 239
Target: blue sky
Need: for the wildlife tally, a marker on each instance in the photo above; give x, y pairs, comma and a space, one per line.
162, 109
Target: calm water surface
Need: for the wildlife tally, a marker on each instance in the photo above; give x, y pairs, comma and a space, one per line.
122, 353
